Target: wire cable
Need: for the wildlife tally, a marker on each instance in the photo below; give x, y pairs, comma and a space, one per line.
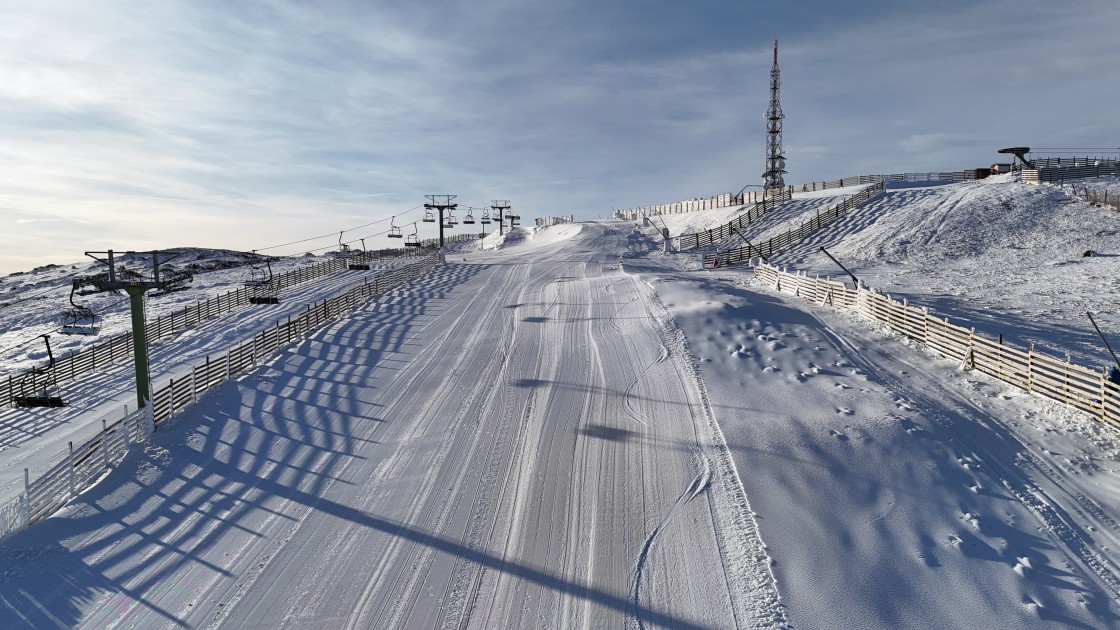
333, 234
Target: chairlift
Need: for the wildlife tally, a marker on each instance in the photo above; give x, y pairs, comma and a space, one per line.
429, 215
413, 239
78, 319
38, 387
394, 231
262, 289
343, 248
485, 219
364, 264
469, 219
450, 221
175, 280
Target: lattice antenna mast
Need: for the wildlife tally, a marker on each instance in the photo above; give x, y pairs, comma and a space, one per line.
775, 161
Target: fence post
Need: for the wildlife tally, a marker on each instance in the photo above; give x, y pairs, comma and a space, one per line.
999, 358
1104, 395
970, 357
70, 465
27, 493
1030, 368
1066, 369
104, 443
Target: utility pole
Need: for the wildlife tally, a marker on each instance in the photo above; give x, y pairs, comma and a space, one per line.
441, 203
772, 181
135, 285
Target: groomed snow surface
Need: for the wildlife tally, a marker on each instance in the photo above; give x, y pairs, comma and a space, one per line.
567, 429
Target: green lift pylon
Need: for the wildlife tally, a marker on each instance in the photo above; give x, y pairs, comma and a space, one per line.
135, 285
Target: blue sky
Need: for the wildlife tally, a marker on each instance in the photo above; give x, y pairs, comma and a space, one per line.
144, 125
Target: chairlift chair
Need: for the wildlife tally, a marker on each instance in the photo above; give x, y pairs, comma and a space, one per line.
429, 215
413, 239
78, 319
394, 231
363, 264
40, 392
261, 288
449, 221
485, 219
469, 219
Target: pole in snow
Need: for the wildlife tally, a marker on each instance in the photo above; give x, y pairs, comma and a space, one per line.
1101, 335
854, 278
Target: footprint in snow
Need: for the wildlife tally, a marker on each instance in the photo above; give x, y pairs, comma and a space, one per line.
844, 411
838, 435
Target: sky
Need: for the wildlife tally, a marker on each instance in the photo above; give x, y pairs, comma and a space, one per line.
248, 125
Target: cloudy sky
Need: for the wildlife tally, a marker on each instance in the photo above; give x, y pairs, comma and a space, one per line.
248, 124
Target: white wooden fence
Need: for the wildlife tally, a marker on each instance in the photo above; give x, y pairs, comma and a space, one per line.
1059, 379
81, 466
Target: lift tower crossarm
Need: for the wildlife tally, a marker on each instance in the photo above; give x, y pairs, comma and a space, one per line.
135, 287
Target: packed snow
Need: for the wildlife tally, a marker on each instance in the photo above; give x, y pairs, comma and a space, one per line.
566, 427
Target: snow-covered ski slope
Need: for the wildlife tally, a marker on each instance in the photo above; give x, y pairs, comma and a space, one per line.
516, 441
576, 431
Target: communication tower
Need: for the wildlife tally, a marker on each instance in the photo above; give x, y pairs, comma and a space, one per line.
775, 162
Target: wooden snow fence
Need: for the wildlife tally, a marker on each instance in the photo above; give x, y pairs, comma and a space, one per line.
83, 465
1026, 368
764, 206
767, 248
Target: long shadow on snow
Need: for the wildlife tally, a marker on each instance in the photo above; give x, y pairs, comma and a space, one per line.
220, 478
179, 503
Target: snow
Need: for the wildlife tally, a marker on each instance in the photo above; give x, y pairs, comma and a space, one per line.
563, 427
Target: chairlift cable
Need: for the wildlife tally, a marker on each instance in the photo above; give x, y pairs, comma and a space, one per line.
315, 238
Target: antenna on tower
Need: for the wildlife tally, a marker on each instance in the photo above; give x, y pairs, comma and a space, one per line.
775, 161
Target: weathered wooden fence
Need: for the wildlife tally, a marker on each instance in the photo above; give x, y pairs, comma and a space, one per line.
766, 249
1097, 196
81, 466
1026, 368
714, 235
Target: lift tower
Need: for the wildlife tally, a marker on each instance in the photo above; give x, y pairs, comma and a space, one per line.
135, 285
440, 203
501, 206
775, 162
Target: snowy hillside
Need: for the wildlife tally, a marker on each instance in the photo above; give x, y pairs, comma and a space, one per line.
1005, 257
567, 428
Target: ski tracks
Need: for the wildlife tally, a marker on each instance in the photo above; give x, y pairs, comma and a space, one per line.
751, 585
699, 484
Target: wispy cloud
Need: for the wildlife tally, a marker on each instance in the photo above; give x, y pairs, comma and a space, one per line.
240, 124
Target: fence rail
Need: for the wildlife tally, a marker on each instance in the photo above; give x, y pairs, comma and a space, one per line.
1055, 378
766, 249
81, 466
